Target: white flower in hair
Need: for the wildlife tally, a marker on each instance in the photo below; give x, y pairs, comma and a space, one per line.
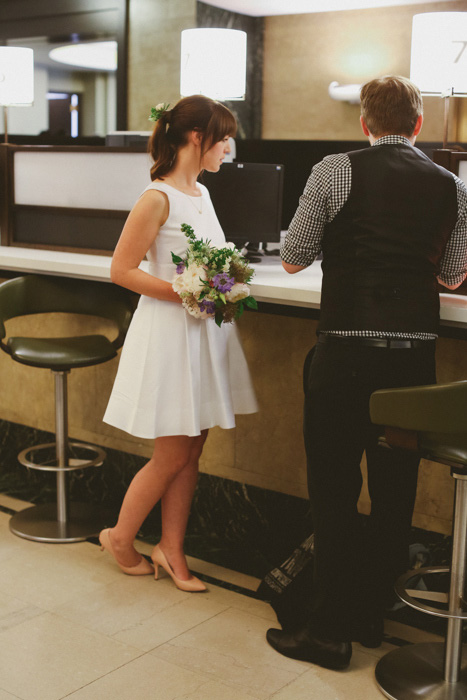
158, 111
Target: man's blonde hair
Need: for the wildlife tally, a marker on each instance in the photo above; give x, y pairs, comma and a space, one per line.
391, 105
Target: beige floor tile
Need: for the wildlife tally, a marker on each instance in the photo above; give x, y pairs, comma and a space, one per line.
123, 604
90, 633
7, 696
13, 611
242, 602
256, 607
47, 575
145, 678
231, 648
217, 691
163, 626
355, 683
20, 543
10, 544
47, 658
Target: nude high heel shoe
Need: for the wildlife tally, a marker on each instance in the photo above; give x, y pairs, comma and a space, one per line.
144, 567
192, 585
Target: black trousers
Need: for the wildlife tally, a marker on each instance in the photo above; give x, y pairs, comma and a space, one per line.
357, 560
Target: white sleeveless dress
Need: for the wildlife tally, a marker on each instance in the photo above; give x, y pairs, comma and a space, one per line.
178, 374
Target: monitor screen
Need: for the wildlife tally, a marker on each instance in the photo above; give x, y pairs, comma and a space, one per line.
247, 198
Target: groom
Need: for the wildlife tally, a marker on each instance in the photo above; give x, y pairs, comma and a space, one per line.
390, 225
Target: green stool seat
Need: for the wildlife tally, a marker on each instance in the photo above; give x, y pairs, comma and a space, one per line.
437, 408
35, 294
61, 353
433, 421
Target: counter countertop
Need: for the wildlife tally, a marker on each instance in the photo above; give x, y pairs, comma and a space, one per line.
271, 284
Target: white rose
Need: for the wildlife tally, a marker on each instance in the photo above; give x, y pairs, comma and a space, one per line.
178, 284
160, 106
239, 291
190, 280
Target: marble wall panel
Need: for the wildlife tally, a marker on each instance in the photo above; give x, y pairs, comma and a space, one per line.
155, 27
269, 445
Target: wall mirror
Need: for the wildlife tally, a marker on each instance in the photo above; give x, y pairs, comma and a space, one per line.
71, 99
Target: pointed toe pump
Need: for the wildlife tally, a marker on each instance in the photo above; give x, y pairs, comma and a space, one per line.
192, 585
142, 568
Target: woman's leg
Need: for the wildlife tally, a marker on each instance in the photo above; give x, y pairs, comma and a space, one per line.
170, 457
176, 503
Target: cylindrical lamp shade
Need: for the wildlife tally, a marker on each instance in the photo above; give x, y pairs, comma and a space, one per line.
213, 63
16, 76
439, 52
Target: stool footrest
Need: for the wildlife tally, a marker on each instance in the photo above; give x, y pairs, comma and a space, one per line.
407, 594
95, 457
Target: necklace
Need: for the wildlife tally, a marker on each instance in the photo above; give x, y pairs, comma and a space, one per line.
200, 210
191, 198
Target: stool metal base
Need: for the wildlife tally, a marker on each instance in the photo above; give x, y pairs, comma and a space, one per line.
39, 523
416, 671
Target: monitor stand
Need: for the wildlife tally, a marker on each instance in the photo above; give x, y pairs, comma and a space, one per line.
255, 252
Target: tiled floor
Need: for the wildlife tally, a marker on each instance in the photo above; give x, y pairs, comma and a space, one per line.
73, 626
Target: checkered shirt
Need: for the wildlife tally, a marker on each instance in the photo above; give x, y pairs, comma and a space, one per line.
326, 192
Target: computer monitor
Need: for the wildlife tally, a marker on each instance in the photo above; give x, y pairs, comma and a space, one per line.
247, 198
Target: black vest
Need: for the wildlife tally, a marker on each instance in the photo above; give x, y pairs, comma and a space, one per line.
381, 252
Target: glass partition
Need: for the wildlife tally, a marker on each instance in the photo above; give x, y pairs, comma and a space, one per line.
71, 100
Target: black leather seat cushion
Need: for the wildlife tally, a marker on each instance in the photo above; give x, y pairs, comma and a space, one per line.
62, 353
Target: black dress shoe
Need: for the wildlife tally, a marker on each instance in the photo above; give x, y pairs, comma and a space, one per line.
304, 646
369, 634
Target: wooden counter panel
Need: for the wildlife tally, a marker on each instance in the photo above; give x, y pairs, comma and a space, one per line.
57, 227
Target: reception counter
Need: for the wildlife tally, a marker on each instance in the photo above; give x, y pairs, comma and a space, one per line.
266, 449
51, 202
270, 285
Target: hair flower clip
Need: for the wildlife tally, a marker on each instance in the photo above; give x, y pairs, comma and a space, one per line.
158, 111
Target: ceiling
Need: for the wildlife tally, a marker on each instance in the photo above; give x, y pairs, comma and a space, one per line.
267, 8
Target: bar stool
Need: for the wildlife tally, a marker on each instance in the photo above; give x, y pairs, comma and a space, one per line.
433, 421
34, 294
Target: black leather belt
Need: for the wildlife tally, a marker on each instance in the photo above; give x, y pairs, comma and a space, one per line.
362, 341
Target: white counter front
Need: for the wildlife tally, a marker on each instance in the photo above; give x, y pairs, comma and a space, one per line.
271, 284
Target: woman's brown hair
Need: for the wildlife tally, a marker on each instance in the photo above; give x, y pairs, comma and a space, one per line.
196, 113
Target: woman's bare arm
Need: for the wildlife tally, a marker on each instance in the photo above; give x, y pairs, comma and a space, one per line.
141, 228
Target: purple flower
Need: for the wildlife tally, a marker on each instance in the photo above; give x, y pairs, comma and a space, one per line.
208, 306
223, 282
180, 268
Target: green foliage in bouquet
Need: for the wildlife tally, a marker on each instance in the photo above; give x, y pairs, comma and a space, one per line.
225, 292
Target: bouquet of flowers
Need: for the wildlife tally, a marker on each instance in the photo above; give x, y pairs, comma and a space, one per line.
212, 282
